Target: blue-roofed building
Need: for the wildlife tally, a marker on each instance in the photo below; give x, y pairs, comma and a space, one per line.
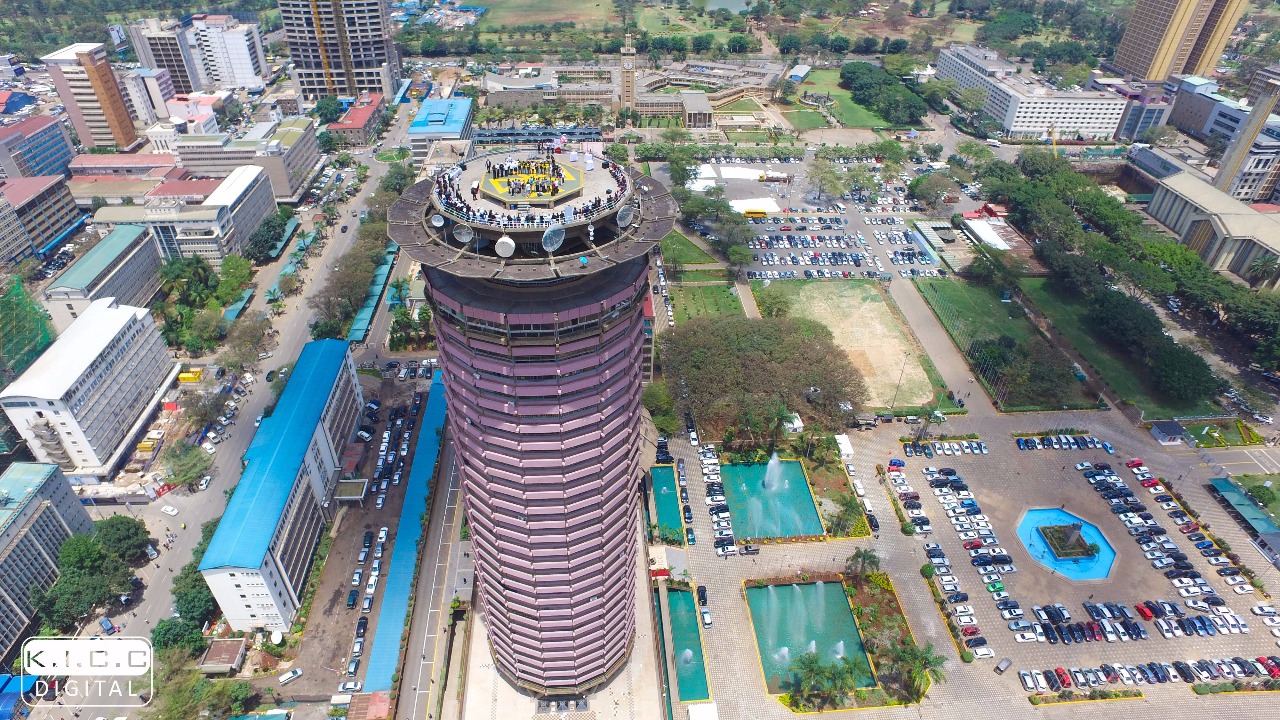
124, 265
257, 562
440, 120
38, 512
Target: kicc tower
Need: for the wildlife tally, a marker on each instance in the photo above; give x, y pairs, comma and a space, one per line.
536, 268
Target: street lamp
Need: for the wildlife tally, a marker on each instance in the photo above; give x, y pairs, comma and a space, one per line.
901, 374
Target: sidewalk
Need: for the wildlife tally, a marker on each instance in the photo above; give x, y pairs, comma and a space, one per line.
938, 346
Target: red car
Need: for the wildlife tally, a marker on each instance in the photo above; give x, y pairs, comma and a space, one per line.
1135, 463
1063, 677
787, 228
970, 631
1150, 482
1144, 611
1272, 669
973, 545
1186, 529
1096, 629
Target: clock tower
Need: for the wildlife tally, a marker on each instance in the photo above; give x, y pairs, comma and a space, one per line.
628, 75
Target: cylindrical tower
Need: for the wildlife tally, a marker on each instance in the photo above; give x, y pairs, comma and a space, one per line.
537, 300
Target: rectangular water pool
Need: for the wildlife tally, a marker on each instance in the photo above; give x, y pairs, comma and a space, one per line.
667, 498
770, 500
793, 620
686, 647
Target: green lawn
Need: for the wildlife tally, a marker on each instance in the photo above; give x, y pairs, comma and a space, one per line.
678, 249
849, 113
1221, 435
1117, 370
1249, 482
803, 120
739, 107
693, 276
522, 12
690, 301
393, 155
970, 312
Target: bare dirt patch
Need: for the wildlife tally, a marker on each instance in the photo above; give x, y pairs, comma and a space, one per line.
871, 335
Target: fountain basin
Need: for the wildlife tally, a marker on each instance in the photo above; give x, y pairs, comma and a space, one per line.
770, 500
667, 498
791, 620
1096, 567
686, 647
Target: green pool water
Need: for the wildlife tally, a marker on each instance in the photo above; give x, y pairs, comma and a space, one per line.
792, 620
770, 500
667, 497
686, 647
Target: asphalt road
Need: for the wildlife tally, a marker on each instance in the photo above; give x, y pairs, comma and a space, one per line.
194, 509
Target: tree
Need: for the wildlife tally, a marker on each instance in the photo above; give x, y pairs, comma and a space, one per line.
96, 203
826, 178
680, 165
1264, 494
203, 408
970, 100
264, 239
773, 302
790, 44
124, 536
328, 142
896, 16
738, 44
398, 179
246, 338
931, 189
617, 152
974, 151
1181, 374
1160, 136
933, 151
1215, 145
1262, 268
234, 276
920, 666
328, 109
177, 632
675, 135
807, 675
739, 257
186, 463
861, 562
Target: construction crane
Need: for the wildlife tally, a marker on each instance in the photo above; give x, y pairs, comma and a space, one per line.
1053, 139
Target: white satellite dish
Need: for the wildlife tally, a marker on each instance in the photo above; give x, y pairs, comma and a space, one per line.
276, 637
463, 234
553, 238
626, 215
437, 221
505, 247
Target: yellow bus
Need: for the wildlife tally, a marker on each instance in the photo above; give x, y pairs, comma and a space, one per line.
755, 213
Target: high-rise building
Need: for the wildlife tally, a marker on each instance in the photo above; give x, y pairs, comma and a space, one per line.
1176, 37
628, 75
340, 47
169, 45
38, 512
288, 150
46, 210
85, 400
35, 146
230, 51
540, 320
148, 90
88, 89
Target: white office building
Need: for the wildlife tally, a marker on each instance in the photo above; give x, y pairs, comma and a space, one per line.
257, 561
230, 51
38, 512
84, 401
214, 228
1025, 106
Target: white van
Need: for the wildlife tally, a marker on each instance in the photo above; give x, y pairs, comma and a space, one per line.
840, 207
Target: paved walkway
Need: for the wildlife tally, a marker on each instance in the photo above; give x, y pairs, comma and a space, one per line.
939, 347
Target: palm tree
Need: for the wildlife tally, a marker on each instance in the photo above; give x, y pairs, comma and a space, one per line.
920, 666
807, 676
861, 562
842, 677
399, 289
775, 418
1263, 267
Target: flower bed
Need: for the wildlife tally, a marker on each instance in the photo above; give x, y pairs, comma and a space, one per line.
1071, 696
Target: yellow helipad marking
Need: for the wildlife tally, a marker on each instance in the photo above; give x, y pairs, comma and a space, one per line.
499, 185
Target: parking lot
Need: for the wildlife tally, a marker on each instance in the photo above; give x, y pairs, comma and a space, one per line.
333, 628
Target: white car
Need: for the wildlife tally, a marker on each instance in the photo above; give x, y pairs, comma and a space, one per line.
986, 653
962, 610
991, 577
1237, 580
1182, 582
169, 510
1084, 466
1027, 683
1187, 592
1025, 637
970, 535
1244, 589
1157, 490
209, 447
966, 621
1271, 621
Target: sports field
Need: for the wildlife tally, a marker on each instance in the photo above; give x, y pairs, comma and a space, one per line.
691, 301
590, 14
877, 342
803, 120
